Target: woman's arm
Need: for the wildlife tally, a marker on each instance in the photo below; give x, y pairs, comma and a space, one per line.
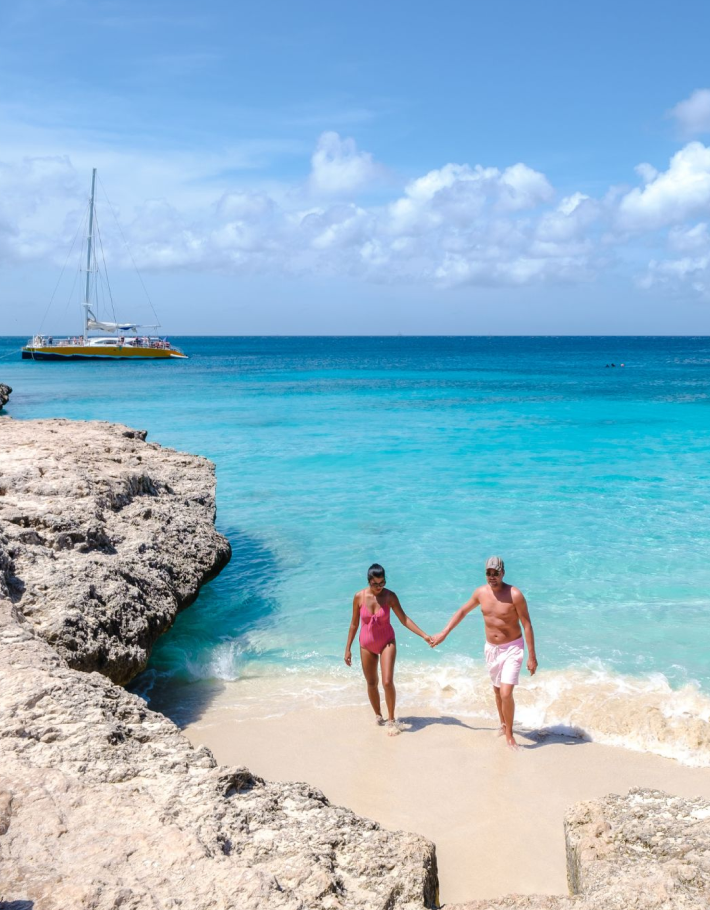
352, 631
404, 619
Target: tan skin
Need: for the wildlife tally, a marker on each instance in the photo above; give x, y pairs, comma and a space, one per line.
504, 610
374, 596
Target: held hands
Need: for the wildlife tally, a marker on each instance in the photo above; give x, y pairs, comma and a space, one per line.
437, 639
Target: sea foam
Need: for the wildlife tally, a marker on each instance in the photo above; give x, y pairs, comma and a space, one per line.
640, 713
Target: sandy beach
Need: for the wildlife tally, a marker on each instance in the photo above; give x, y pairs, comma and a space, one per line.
495, 816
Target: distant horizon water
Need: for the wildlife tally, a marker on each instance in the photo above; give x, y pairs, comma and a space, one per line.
427, 454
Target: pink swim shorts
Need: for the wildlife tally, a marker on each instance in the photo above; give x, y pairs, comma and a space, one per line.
504, 662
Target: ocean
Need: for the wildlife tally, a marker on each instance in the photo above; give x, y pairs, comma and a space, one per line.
428, 455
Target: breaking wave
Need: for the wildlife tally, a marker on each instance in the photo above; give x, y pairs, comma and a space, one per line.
640, 713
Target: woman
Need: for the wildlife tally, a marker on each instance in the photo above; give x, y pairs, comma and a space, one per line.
371, 607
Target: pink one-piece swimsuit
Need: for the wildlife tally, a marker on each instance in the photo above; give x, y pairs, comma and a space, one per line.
375, 628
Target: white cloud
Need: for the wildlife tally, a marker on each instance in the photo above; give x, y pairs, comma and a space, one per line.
458, 195
673, 196
647, 172
689, 272
338, 168
690, 239
459, 223
690, 269
693, 114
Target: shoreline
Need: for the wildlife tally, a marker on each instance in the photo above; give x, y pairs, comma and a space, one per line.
104, 801
104, 537
642, 714
495, 816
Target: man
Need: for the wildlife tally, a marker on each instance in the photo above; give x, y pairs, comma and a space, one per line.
504, 611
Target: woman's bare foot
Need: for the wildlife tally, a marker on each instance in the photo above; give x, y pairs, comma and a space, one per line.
501, 730
392, 728
379, 720
511, 744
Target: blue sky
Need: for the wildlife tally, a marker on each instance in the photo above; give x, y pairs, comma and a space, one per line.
285, 167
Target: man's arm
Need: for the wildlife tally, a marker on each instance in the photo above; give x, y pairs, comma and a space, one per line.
521, 608
463, 611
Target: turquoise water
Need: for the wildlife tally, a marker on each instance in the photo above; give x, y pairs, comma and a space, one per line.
427, 455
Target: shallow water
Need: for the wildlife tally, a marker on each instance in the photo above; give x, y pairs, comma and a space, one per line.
428, 455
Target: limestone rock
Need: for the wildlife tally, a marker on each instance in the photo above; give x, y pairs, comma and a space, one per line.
5, 392
104, 804
644, 850
110, 535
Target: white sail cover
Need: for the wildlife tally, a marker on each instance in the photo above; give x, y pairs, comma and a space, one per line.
112, 326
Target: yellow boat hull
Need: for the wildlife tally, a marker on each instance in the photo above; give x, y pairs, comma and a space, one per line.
99, 352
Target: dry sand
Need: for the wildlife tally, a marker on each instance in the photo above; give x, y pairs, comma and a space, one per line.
494, 815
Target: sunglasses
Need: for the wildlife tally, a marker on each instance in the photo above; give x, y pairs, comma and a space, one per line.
492, 572
378, 584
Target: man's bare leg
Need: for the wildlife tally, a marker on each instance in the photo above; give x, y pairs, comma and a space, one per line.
499, 705
387, 659
369, 669
508, 712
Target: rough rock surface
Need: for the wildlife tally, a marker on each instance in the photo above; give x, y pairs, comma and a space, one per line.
5, 392
111, 536
104, 804
643, 851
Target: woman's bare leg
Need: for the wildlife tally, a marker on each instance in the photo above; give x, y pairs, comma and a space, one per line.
369, 669
387, 659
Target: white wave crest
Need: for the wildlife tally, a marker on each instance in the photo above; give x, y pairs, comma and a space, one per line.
640, 713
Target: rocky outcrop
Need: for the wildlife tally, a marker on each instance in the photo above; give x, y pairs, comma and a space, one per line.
5, 392
104, 804
111, 537
646, 850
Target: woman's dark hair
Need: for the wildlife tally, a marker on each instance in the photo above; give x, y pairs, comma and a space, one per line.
375, 571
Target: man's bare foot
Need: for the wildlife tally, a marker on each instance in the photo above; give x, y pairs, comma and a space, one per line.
379, 720
392, 728
501, 730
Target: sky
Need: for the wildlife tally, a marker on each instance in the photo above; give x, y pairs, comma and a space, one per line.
283, 167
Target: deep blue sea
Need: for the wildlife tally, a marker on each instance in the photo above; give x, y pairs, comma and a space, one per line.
428, 455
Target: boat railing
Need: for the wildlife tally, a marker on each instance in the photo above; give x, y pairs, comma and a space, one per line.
49, 341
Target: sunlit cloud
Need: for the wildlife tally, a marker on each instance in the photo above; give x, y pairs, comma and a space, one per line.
693, 114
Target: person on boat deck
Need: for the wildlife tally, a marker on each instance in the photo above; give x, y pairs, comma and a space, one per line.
371, 610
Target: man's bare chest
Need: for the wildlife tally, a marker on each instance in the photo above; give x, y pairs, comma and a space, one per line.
500, 610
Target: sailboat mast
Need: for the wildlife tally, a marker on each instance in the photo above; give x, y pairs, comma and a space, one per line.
89, 242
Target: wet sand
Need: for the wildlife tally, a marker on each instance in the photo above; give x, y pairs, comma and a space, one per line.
494, 815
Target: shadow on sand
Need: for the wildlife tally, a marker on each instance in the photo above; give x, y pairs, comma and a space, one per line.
536, 739
527, 739
415, 724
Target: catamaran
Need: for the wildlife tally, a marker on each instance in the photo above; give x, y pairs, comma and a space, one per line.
119, 341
